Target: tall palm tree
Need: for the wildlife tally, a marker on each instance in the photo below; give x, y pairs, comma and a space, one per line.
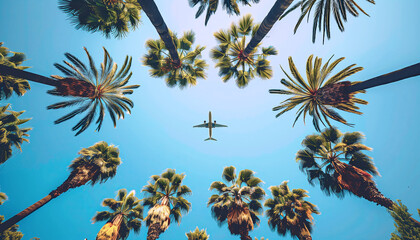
231, 6
191, 68
321, 93
165, 199
337, 163
110, 17
288, 211
3, 198
9, 84
197, 234
230, 57
107, 90
238, 203
126, 214
10, 132
96, 164
323, 11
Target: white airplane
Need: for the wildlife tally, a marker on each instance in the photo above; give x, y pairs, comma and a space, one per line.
210, 125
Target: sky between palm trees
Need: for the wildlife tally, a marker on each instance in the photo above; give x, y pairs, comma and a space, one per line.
159, 134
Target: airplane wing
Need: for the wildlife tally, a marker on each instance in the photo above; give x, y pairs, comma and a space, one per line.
218, 125
204, 125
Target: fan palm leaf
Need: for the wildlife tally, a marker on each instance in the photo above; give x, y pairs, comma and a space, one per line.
10, 132
95, 164
289, 212
197, 234
165, 200
337, 162
191, 66
110, 17
229, 54
97, 90
231, 6
126, 215
238, 204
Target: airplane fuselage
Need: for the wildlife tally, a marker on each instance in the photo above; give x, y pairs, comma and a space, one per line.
210, 125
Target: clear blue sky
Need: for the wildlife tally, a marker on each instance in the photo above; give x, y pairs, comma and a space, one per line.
159, 134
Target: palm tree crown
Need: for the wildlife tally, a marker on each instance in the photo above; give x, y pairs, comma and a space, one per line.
10, 84
323, 11
289, 212
3, 198
337, 162
238, 204
10, 132
197, 234
230, 57
165, 199
314, 92
191, 65
99, 90
114, 18
231, 6
125, 215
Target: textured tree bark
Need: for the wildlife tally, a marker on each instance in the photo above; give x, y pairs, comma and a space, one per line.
408, 72
153, 232
272, 17
305, 234
78, 177
151, 10
17, 73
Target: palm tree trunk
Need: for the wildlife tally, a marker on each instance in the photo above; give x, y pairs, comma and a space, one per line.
272, 17
151, 10
17, 73
154, 231
77, 178
411, 71
111, 229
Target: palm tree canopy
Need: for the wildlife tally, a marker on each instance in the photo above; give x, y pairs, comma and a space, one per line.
244, 190
104, 89
9, 84
12, 233
322, 151
314, 93
191, 65
405, 228
114, 18
167, 189
101, 156
231, 6
288, 211
10, 132
323, 10
230, 57
197, 234
127, 205
3, 198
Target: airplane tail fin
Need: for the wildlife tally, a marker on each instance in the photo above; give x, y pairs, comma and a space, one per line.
210, 139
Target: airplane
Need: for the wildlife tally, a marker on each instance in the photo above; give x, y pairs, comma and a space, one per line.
210, 125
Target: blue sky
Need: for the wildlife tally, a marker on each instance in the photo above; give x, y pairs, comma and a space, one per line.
159, 134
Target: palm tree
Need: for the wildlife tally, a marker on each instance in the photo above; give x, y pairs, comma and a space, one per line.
126, 215
3, 198
12, 233
191, 68
165, 199
262, 238
405, 228
320, 94
323, 11
324, 160
230, 58
107, 90
197, 234
289, 212
238, 203
9, 84
111, 17
231, 6
10, 132
96, 164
